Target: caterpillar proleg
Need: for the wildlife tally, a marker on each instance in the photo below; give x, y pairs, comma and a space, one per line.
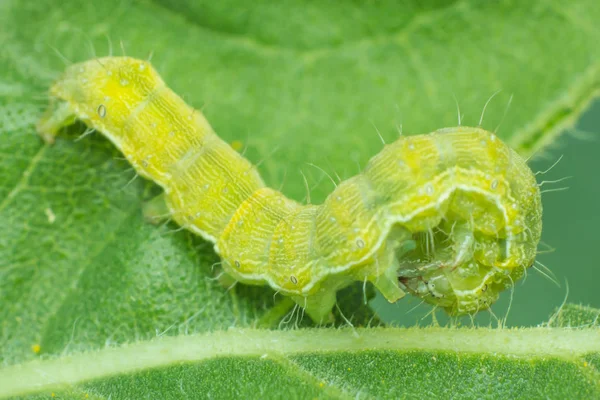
453, 216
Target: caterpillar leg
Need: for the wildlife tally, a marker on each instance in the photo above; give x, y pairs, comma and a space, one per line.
58, 115
318, 306
155, 210
387, 283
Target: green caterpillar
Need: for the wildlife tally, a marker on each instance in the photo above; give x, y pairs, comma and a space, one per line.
453, 216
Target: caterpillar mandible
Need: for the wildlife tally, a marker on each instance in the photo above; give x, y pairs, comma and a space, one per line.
453, 216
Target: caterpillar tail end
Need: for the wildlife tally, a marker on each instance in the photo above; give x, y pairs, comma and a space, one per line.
58, 115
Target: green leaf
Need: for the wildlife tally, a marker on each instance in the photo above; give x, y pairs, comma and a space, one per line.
575, 316
347, 363
94, 292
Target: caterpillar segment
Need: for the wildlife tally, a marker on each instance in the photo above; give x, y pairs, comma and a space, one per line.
453, 216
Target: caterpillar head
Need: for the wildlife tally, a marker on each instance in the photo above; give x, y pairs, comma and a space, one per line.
481, 248
463, 272
465, 289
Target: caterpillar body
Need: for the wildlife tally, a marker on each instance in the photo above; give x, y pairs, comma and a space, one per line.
453, 216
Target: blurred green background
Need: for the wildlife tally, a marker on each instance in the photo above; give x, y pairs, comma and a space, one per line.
569, 240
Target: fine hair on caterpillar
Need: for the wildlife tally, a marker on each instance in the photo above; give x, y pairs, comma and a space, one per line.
453, 216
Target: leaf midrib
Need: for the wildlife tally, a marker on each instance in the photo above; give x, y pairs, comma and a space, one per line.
562, 343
